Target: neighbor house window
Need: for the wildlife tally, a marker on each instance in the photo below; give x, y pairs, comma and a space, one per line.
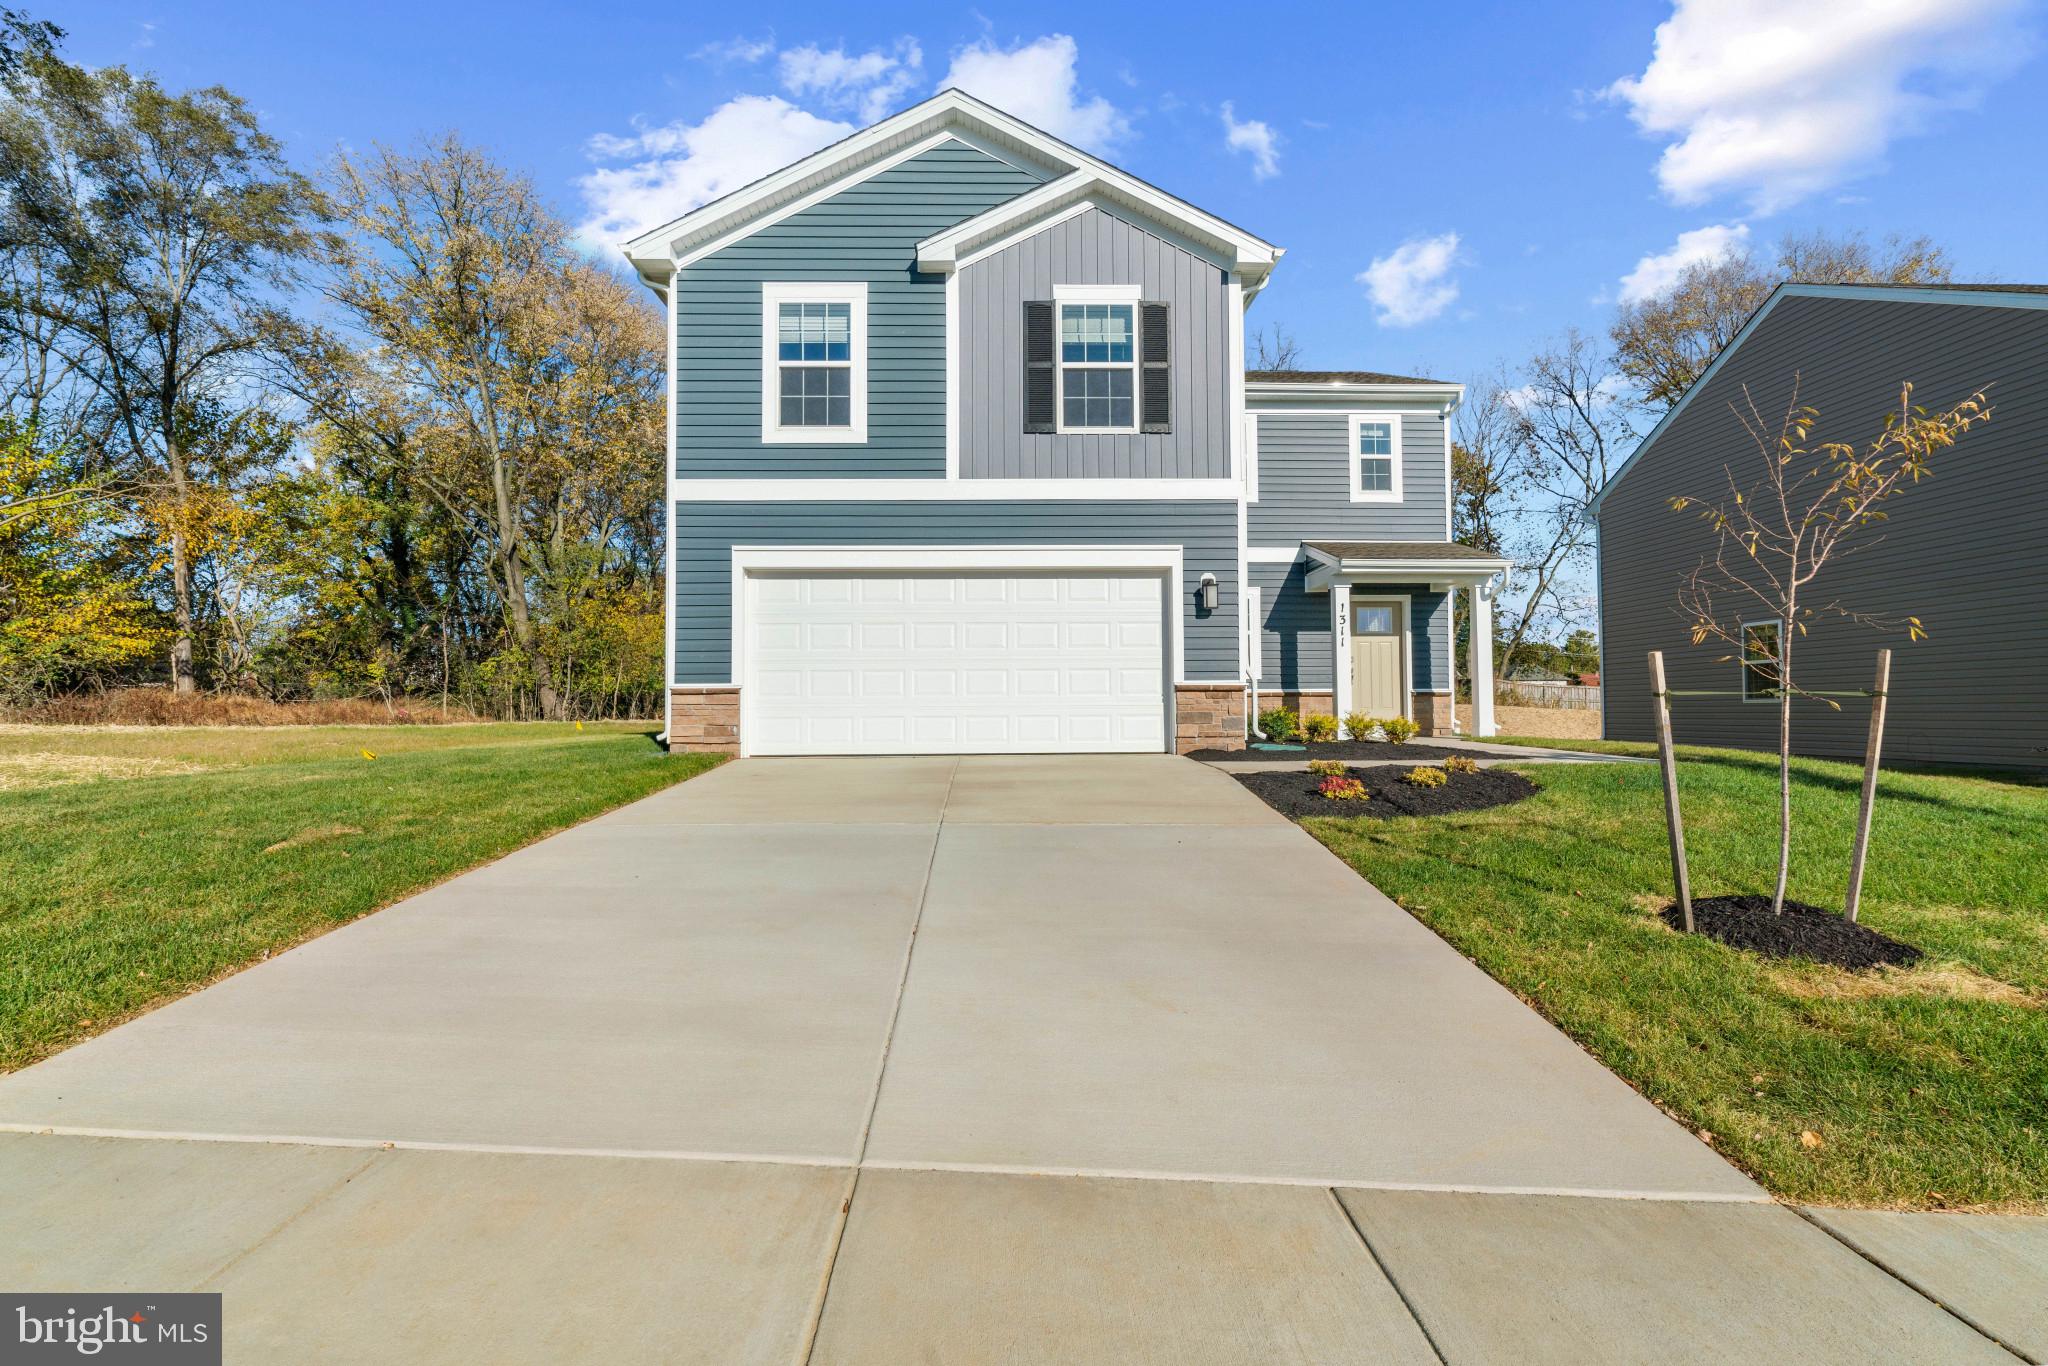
814, 362
1375, 455
1098, 334
1760, 660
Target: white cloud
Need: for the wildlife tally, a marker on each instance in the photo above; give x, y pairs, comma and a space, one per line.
1775, 100
1413, 283
1036, 83
683, 165
871, 84
1255, 137
1657, 273
745, 51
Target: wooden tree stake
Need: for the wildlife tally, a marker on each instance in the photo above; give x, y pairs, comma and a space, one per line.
1870, 753
1669, 763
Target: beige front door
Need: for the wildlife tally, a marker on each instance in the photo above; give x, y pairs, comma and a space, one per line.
1377, 625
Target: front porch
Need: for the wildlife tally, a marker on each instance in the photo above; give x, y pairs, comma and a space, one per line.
1372, 627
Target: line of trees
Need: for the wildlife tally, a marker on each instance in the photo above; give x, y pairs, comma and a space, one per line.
379, 431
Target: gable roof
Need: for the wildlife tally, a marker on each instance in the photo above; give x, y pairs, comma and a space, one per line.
950, 113
1966, 295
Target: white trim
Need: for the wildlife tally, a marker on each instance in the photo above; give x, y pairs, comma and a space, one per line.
1254, 599
1480, 666
1743, 660
1166, 559
1272, 554
952, 490
1249, 422
1074, 296
1006, 240
1353, 421
668, 545
1340, 651
774, 294
953, 414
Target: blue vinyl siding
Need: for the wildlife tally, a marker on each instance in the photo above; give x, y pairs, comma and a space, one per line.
867, 232
1205, 529
1305, 482
1295, 634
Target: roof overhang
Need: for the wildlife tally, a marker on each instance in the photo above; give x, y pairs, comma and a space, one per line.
656, 253
1438, 571
1231, 248
1351, 394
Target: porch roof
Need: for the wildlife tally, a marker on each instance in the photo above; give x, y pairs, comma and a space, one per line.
1439, 562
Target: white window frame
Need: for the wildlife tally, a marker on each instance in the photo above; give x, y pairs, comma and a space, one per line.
1352, 457
1062, 296
1744, 661
776, 293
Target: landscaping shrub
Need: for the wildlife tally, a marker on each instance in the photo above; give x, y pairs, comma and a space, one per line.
1319, 728
1280, 724
1461, 763
1343, 790
1399, 729
1426, 777
1358, 725
1326, 768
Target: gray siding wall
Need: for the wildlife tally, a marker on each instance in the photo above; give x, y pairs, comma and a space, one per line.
1295, 632
706, 532
1963, 551
869, 232
1092, 248
1305, 481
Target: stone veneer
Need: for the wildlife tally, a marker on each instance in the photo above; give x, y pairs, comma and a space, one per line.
1207, 716
704, 720
1306, 703
1432, 712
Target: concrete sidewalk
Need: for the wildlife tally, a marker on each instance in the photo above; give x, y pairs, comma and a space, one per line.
886, 1060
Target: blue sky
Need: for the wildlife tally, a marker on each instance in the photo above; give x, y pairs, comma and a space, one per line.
1453, 183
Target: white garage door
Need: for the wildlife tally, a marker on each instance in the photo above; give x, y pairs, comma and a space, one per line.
955, 663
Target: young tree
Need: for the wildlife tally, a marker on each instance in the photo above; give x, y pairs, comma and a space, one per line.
162, 223
1776, 533
1663, 344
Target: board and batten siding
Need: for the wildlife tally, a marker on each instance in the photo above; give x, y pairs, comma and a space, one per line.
867, 232
1305, 480
1205, 529
1963, 551
1295, 631
1092, 248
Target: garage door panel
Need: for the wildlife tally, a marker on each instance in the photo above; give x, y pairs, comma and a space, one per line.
975, 662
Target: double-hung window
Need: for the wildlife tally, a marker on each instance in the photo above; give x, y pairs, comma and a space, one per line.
1098, 358
1375, 457
1760, 645
814, 364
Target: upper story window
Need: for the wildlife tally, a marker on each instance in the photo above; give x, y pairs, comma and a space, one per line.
1375, 457
1760, 660
1098, 365
814, 363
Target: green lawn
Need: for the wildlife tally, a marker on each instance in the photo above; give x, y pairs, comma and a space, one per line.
1925, 1087
136, 865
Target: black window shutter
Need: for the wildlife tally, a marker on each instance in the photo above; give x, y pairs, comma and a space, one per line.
1040, 391
1156, 373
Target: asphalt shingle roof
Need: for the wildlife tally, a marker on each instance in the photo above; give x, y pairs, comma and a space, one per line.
1332, 377
1401, 550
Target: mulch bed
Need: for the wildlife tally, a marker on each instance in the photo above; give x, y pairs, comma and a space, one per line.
1294, 794
1803, 931
1369, 751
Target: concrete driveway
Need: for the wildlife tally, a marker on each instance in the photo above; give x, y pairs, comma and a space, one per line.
909, 1059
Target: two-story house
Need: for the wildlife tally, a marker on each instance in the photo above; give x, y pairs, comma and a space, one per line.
964, 458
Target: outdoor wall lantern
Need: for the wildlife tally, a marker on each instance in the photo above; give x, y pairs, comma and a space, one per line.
1208, 597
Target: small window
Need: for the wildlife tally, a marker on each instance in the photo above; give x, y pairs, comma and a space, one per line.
1375, 457
1098, 364
1760, 660
1375, 619
815, 364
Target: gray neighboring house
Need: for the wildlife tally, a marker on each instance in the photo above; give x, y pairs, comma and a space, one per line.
964, 459
1964, 551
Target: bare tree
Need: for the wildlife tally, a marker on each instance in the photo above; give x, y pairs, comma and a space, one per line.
1274, 348
1775, 532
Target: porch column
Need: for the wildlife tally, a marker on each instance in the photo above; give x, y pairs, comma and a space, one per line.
1482, 657
1340, 649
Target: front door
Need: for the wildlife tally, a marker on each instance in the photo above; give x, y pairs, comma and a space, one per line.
1377, 625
